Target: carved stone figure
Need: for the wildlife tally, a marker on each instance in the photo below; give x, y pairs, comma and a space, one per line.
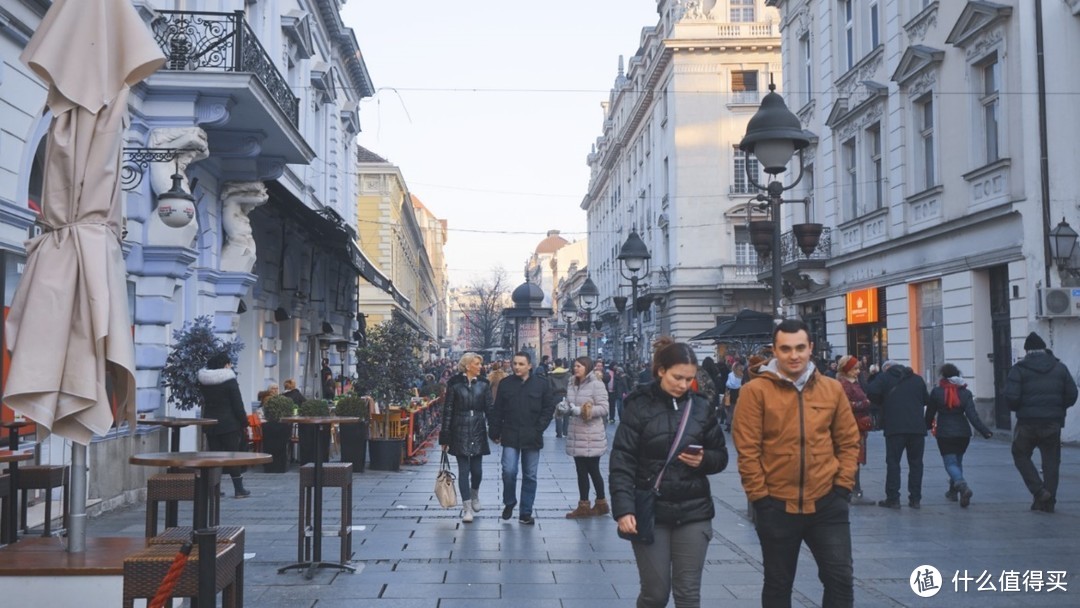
237, 201
193, 146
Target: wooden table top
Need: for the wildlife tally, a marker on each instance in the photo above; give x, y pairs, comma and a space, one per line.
17, 456
49, 557
201, 460
177, 422
322, 419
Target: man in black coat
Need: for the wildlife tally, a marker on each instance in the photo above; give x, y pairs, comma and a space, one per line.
903, 397
1039, 388
523, 409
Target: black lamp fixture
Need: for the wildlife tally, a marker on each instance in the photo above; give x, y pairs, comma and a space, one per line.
569, 313
241, 308
176, 207
327, 328
773, 135
588, 298
634, 259
280, 314
1063, 245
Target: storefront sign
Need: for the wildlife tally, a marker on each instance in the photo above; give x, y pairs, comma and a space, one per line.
862, 306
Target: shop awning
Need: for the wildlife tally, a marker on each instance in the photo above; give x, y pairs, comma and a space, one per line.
329, 229
746, 326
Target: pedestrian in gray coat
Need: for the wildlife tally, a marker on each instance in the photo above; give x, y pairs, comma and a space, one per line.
586, 406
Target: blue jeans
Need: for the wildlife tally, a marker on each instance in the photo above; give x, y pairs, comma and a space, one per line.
954, 466
530, 465
470, 474
827, 533
895, 446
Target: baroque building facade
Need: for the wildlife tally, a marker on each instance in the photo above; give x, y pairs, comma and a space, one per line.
932, 119
262, 134
667, 165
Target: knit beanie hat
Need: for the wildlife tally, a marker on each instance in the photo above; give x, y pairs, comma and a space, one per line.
1034, 342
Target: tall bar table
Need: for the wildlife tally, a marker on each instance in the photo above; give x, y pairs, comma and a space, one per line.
13, 426
204, 535
13, 458
316, 529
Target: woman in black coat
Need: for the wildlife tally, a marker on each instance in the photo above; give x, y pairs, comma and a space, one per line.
954, 407
222, 402
464, 428
652, 414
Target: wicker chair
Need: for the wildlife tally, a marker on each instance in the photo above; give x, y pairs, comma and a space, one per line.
335, 475
171, 488
144, 571
43, 477
225, 534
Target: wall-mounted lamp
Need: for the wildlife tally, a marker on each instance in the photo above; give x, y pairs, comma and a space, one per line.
280, 314
327, 328
1062, 246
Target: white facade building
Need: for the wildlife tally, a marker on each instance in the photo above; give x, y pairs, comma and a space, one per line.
931, 120
667, 165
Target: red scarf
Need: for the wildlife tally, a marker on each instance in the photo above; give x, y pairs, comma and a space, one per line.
952, 393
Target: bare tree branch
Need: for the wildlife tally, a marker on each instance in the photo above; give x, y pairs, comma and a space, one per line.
483, 310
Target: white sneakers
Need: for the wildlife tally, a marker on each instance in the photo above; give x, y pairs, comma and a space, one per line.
467, 512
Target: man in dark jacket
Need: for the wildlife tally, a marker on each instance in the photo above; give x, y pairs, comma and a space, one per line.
222, 402
903, 397
1039, 389
523, 409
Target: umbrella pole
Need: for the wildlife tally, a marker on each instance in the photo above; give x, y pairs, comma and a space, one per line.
77, 502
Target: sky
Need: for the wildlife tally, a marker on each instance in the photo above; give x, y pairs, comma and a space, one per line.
489, 109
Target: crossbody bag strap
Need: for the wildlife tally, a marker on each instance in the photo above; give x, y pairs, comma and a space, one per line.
674, 449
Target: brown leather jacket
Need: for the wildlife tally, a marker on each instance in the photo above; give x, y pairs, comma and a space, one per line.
793, 445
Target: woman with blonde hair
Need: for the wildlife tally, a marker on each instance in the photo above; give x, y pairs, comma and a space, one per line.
847, 372
466, 407
494, 376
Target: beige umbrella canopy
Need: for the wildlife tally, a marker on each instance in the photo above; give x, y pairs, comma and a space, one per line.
69, 324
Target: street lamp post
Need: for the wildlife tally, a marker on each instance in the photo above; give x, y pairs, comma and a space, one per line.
588, 299
773, 135
569, 313
633, 266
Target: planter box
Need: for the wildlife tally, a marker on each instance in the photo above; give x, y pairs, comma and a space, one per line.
276, 437
354, 438
307, 443
386, 454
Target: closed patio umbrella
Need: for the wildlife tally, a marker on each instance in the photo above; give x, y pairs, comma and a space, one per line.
69, 324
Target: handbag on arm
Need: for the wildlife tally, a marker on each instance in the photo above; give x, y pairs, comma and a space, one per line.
445, 489
645, 500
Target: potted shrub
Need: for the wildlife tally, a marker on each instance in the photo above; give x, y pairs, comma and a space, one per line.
314, 408
191, 347
387, 366
354, 437
277, 434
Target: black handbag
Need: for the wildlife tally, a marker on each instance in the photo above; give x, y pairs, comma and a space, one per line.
645, 500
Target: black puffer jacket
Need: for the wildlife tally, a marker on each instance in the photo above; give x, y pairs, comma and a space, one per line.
902, 395
641, 445
1040, 388
222, 401
522, 411
464, 416
954, 422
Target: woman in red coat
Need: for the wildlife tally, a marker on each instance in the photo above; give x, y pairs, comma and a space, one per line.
847, 372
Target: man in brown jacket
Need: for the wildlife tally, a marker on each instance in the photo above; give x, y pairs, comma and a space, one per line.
798, 444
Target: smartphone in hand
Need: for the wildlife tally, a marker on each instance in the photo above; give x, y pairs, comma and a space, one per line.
693, 449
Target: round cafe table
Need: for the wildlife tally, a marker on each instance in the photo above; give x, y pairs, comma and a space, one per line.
13, 458
174, 424
204, 536
316, 529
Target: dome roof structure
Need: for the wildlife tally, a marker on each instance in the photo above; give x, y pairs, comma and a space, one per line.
528, 295
552, 243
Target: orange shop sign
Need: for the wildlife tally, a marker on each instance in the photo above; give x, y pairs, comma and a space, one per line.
862, 306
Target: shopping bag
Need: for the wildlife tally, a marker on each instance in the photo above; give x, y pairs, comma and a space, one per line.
645, 514
445, 488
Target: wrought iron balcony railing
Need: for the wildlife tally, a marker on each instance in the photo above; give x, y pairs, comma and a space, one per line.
791, 253
208, 41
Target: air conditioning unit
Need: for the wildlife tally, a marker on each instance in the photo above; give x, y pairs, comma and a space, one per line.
1060, 302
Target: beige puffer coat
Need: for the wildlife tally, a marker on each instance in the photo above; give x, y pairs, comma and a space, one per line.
587, 438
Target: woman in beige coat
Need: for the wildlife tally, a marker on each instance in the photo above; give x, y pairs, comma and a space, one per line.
586, 440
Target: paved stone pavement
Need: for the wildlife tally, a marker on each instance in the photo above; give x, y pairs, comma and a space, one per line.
410, 553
